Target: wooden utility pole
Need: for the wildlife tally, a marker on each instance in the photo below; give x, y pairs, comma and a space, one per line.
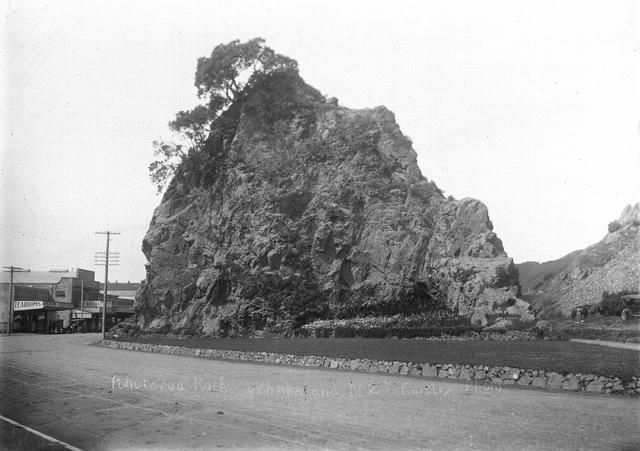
103, 259
12, 269
81, 304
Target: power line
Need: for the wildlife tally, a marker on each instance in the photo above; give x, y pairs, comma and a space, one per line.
12, 269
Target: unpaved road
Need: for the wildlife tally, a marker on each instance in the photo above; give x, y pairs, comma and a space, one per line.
97, 398
611, 344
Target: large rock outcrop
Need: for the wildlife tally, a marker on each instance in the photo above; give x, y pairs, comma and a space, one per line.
304, 209
580, 278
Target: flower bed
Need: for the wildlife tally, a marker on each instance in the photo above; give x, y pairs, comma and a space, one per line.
400, 326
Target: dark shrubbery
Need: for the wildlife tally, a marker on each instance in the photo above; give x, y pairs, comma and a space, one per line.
612, 302
388, 332
614, 226
296, 298
419, 299
275, 98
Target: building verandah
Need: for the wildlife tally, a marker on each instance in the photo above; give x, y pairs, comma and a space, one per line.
57, 302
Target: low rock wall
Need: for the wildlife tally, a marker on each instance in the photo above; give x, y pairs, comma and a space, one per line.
476, 373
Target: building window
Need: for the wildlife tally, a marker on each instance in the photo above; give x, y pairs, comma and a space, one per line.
60, 293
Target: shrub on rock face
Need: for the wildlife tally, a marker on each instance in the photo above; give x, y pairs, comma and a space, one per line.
614, 226
296, 298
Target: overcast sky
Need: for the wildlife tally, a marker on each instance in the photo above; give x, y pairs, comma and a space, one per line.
531, 107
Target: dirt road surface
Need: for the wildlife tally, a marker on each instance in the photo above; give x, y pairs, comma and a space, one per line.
97, 398
611, 344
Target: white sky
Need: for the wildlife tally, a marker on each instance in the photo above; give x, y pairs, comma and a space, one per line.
531, 107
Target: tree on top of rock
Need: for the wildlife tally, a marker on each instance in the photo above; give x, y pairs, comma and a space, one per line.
221, 79
224, 76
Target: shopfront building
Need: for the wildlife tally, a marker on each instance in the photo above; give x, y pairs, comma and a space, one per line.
35, 311
57, 302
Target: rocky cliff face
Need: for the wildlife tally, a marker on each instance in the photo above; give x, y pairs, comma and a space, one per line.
306, 209
579, 278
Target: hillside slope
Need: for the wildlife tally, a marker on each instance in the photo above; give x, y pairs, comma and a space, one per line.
613, 264
533, 275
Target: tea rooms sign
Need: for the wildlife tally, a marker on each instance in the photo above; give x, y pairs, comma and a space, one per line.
27, 305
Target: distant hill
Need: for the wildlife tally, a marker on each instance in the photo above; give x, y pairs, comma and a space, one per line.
533, 275
613, 264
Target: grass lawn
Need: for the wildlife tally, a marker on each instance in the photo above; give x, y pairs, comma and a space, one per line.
601, 328
559, 356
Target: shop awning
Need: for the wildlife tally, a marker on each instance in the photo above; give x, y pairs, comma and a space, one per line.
81, 314
23, 305
59, 306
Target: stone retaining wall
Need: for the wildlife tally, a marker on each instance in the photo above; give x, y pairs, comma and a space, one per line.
476, 373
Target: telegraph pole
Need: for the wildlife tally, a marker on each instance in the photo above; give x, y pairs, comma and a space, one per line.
102, 258
82, 304
12, 269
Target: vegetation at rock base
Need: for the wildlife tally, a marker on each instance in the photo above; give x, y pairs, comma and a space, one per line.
297, 295
429, 324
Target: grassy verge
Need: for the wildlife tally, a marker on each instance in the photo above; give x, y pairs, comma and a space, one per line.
623, 336
600, 328
560, 356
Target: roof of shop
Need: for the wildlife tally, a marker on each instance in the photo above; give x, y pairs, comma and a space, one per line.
122, 286
35, 277
122, 294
